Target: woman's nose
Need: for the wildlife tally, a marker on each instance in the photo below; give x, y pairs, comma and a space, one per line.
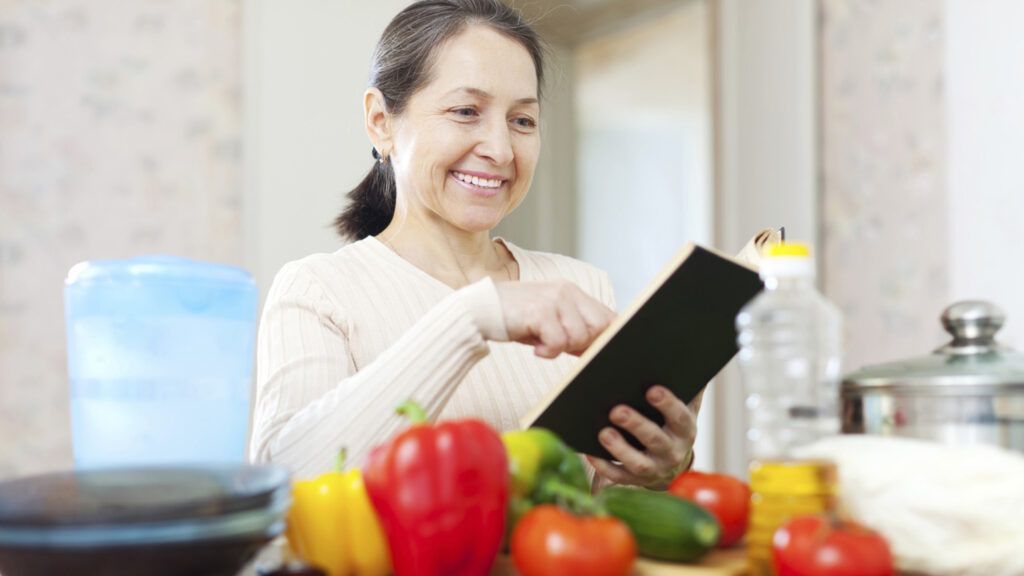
496, 143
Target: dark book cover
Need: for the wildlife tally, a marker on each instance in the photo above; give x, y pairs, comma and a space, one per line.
679, 333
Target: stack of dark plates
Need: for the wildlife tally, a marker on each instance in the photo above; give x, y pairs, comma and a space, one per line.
205, 521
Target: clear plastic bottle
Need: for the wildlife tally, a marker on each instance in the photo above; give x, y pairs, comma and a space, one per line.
790, 351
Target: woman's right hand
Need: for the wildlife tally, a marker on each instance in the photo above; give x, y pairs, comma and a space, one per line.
553, 317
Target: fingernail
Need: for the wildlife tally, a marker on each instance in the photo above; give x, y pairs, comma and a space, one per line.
656, 394
607, 436
620, 416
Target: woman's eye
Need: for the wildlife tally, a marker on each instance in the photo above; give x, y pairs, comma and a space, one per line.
525, 122
466, 112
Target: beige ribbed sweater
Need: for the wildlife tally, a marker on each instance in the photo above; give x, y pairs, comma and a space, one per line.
346, 337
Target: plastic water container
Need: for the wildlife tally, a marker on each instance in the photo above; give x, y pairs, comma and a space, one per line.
160, 356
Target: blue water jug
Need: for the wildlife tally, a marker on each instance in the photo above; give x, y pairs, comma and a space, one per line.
160, 356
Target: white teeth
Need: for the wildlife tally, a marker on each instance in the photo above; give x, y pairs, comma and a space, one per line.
476, 181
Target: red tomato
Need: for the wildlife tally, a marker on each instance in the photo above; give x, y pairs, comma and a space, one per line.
549, 541
727, 498
820, 546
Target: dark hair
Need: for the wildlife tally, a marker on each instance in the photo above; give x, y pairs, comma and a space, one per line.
400, 66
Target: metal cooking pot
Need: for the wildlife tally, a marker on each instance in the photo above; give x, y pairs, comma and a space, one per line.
969, 391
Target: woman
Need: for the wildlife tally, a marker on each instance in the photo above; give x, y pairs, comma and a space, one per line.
424, 304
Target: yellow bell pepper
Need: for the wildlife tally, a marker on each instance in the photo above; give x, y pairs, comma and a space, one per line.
333, 526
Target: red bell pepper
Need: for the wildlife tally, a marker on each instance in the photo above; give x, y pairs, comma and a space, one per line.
441, 493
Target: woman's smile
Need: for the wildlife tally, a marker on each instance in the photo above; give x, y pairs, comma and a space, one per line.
479, 183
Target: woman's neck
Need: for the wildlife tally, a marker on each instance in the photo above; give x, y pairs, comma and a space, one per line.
453, 256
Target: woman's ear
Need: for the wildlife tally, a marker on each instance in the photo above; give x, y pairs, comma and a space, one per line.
378, 121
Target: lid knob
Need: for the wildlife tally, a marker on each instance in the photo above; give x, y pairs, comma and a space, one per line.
973, 325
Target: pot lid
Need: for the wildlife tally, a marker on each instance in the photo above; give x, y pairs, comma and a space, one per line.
972, 358
130, 506
145, 494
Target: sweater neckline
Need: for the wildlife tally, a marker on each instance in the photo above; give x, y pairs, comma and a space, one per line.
396, 258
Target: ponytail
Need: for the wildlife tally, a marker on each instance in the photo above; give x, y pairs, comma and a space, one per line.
371, 204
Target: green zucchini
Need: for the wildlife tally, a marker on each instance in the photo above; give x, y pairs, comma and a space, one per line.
666, 526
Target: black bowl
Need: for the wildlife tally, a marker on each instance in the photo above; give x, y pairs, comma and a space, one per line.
203, 521
211, 558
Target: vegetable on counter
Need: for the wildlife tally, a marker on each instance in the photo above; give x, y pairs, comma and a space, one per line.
726, 497
536, 456
550, 541
441, 492
824, 546
332, 525
666, 526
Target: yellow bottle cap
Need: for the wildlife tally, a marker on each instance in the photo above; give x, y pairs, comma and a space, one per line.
792, 249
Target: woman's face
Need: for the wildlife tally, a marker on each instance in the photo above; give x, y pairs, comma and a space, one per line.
466, 145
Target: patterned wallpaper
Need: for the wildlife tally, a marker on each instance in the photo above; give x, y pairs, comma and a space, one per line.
119, 135
884, 204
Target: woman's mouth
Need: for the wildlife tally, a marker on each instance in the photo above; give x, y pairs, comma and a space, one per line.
478, 185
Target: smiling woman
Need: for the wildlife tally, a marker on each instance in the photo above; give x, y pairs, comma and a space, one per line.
424, 303
464, 148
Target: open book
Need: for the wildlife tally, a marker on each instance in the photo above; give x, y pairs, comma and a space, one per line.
678, 333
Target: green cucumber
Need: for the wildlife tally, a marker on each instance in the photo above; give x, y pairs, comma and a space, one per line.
666, 527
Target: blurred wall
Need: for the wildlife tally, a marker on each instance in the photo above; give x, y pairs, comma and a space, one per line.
923, 188
766, 123
119, 135
984, 118
644, 165
885, 196
306, 68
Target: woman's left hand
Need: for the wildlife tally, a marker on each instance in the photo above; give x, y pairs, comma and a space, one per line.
669, 448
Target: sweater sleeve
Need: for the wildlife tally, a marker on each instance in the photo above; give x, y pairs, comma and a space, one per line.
310, 399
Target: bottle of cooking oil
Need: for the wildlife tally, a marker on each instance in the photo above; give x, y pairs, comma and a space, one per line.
790, 348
